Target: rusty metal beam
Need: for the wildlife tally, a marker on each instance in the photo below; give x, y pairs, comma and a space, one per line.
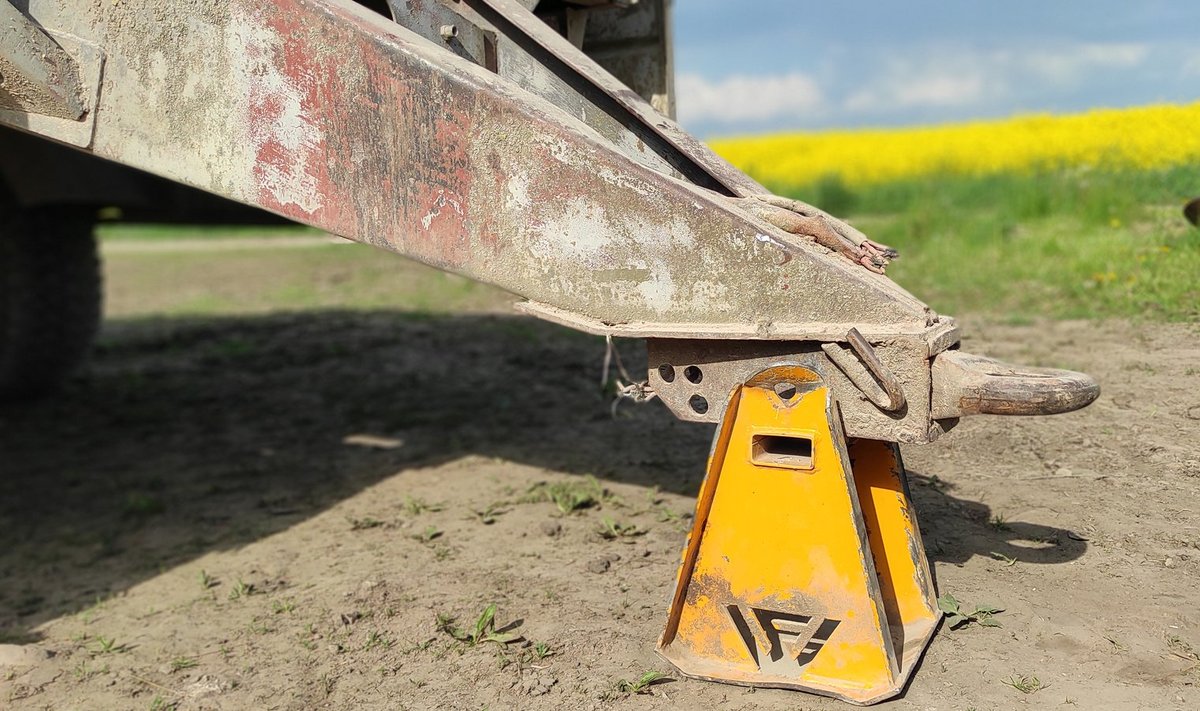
331, 115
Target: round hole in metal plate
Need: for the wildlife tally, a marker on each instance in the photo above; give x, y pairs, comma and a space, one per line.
666, 371
693, 374
698, 404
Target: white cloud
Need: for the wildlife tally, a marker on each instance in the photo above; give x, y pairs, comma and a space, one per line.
1191, 64
912, 84
1067, 65
743, 98
958, 77
918, 89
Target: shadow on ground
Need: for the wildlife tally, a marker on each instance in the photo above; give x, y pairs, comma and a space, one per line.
185, 436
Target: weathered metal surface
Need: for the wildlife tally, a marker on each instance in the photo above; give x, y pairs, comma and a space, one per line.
635, 45
691, 157
720, 366
36, 75
804, 568
413, 149
965, 384
521, 48
48, 80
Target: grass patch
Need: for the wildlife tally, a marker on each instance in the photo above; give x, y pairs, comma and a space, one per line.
258, 278
484, 629
569, 496
642, 684
957, 616
1058, 244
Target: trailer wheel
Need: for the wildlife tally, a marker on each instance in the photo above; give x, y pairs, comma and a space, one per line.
49, 296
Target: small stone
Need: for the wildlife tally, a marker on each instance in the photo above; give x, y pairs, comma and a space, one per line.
537, 685
207, 685
550, 528
599, 565
1169, 562
1063, 471
334, 648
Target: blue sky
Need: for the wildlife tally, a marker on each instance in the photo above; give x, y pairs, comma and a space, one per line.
749, 66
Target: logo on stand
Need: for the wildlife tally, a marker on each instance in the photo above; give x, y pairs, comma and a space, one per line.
805, 635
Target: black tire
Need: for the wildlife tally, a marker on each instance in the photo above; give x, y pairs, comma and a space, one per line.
50, 296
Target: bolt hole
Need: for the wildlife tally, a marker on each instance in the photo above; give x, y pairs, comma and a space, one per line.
699, 404
666, 371
787, 391
693, 374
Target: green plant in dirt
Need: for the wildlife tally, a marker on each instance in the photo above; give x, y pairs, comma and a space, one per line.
541, 650
84, 670
108, 645
427, 535
416, 506
280, 606
982, 615
487, 516
642, 684
666, 515
611, 530
375, 639
484, 629
364, 523
569, 496
161, 704
207, 581
999, 523
181, 663
241, 589
1025, 684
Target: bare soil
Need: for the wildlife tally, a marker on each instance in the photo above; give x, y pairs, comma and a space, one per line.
272, 512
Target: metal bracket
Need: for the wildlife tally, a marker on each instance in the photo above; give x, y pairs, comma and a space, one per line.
883, 388
49, 82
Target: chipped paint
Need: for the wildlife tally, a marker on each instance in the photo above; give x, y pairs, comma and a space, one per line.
436, 210
286, 142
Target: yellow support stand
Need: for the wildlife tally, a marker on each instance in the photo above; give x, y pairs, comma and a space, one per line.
804, 568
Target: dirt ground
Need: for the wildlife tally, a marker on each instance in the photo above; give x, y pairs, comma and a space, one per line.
276, 512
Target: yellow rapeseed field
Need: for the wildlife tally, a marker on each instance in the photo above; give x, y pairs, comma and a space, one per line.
1146, 137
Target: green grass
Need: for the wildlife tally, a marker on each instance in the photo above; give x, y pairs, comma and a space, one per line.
261, 278
150, 232
1068, 244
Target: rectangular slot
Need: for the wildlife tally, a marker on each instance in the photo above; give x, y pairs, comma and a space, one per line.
786, 451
